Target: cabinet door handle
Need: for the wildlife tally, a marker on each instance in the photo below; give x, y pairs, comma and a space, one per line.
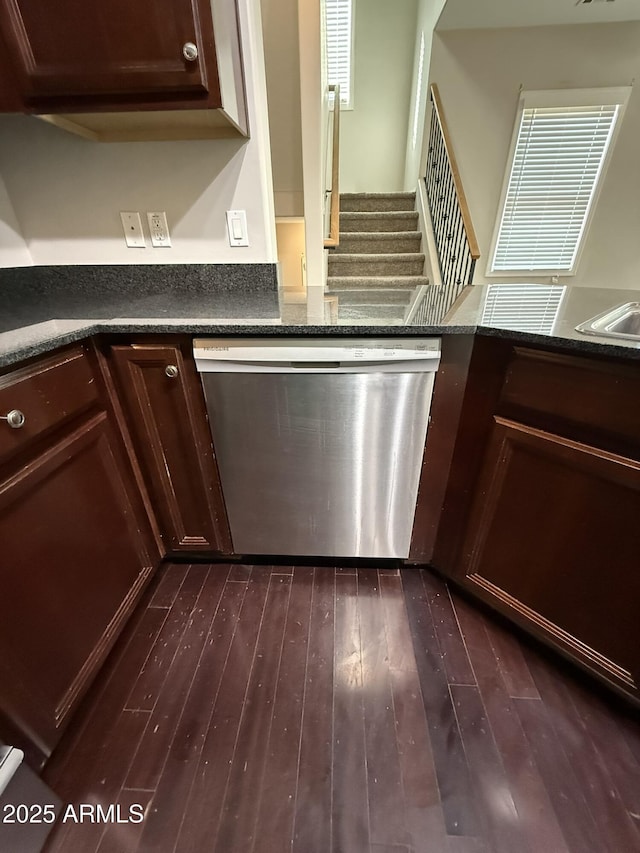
15, 418
190, 51
171, 371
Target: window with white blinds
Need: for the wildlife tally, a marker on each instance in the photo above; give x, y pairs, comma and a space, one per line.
559, 153
523, 307
339, 44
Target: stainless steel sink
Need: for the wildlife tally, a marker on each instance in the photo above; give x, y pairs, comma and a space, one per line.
623, 321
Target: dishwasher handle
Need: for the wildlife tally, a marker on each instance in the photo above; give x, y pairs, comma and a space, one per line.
221, 355
425, 365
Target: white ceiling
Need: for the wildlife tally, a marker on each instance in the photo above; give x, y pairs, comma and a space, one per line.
490, 14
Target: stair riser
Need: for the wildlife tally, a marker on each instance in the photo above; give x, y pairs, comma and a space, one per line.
355, 244
377, 203
376, 266
375, 222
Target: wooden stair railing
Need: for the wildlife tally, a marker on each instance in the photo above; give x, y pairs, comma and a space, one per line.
333, 239
454, 234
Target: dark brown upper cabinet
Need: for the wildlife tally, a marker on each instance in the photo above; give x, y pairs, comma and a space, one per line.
164, 409
120, 70
112, 49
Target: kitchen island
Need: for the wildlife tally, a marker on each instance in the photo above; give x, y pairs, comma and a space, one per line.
532, 461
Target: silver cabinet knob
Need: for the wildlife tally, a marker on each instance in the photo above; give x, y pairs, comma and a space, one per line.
190, 51
171, 371
15, 418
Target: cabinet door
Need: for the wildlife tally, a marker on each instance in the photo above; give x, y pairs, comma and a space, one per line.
553, 543
165, 410
73, 562
82, 48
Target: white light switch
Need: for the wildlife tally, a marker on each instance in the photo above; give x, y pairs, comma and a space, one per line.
132, 227
237, 228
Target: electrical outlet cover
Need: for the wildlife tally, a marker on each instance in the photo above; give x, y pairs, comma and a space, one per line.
158, 228
132, 227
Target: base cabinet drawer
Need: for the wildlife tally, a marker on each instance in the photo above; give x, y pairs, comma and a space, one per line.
73, 563
48, 394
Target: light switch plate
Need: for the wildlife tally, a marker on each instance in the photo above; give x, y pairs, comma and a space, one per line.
132, 227
237, 228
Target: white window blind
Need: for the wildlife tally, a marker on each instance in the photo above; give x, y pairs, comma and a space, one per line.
339, 41
523, 307
557, 161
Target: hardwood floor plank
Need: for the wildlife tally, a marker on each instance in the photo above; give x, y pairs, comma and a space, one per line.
145, 691
563, 786
387, 821
536, 815
607, 734
276, 805
489, 778
424, 817
350, 805
239, 573
456, 794
124, 837
401, 654
613, 824
450, 640
513, 666
149, 760
202, 812
164, 819
463, 844
171, 578
103, 706
312, 821
100, 784
237, 823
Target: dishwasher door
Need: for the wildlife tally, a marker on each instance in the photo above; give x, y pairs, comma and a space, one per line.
323, 458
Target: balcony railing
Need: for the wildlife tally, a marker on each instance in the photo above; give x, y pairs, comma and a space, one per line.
454, 235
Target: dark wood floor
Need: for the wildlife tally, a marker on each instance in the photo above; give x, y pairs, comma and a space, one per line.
333, 711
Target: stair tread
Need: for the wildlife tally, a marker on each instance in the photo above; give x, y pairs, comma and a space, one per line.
381, 235
355, 257
381, 214
383, 280
378, 195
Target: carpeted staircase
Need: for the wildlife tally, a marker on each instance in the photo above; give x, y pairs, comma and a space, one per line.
378, 263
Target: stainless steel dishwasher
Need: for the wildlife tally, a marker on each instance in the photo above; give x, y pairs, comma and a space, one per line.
319, 442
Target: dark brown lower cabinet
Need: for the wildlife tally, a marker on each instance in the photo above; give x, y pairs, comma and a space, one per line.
540, 519
552, 537
164, 409
73, 562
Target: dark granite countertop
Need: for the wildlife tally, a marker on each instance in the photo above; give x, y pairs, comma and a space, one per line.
42, 308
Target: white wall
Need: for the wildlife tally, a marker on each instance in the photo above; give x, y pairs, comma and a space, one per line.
13, 249
313, 90
479, 74
373, 134
428, 13
67, 192
282, 64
